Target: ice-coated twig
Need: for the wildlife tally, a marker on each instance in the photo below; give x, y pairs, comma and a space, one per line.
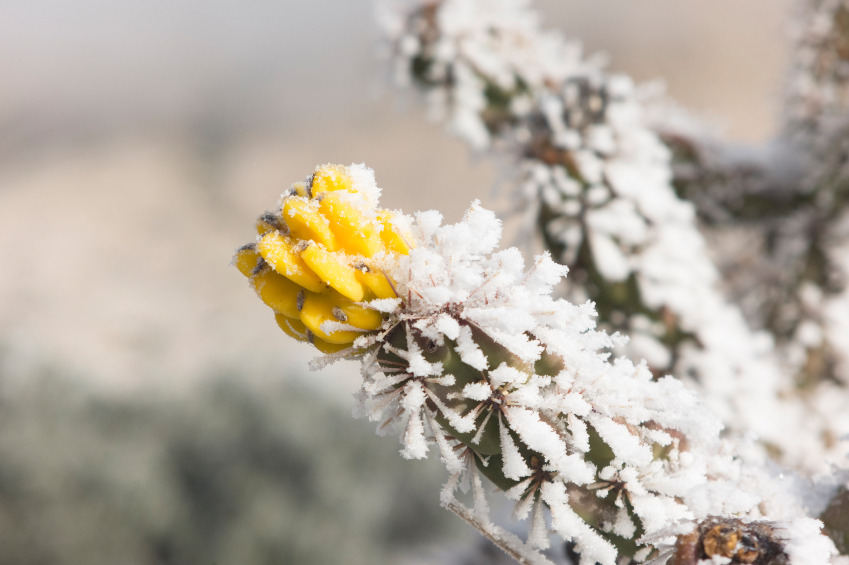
504, 540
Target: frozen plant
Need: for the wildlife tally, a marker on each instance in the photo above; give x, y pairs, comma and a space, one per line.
777, 217
465, 351
617, 189
596, 181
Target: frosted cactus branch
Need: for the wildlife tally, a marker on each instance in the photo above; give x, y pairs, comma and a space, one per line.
596, 183
818, 86
473, 356
777, 217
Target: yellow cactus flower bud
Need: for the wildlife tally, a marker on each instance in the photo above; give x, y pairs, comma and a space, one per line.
297, 330
305, 222
278, 292
391, 236
277, 250
377, 282
328, 178
319, 308
319, 257
270, 222
246, 259
353, 314
328, 348
301, 189
338, 275
293, 328
355, 233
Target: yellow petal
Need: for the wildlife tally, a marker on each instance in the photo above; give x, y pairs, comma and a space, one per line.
335, 273
328, 178
376, 282
327, 347
277, 250
300, 189
350, 313
296, 329
292, 328
305, 222
246, 259
391, 237
354, 232
278, 292
317, 309
270, 222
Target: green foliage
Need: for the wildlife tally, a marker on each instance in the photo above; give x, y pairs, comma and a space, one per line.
227, 474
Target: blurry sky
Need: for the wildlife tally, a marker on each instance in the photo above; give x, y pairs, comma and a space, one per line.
139, 140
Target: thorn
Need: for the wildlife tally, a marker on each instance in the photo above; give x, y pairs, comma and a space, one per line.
260, 266
309, 185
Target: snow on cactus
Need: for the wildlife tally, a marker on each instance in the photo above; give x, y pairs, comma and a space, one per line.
464, 348
596, 183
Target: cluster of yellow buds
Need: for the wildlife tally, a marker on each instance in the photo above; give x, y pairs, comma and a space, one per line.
317, 257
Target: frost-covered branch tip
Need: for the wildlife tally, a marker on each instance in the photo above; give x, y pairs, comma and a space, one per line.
464, 350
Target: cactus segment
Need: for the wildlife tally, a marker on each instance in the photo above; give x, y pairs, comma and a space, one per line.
318, 309
356, 233
376, 282
246, 259
306, 223
278, 251
293, 328
329, 178
278, 292
337, 274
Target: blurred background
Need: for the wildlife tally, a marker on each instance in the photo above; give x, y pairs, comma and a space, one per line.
150, 410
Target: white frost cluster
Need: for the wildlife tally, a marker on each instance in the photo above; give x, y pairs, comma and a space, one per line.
463, 305
601, 178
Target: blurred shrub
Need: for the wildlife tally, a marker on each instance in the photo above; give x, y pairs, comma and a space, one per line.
231, 474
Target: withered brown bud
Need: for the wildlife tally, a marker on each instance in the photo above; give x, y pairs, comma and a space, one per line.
752, 543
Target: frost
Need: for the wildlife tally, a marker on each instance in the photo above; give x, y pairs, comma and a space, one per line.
434, 364
387, 305
362, 181
514, 465
624, 526
595, 175
612, 433
477, 391
468, 350
803, 544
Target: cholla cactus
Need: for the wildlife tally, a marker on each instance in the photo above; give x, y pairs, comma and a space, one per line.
464, 349
596, 182
777, 215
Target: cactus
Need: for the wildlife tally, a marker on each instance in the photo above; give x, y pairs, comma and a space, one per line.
463, 348
594, 177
